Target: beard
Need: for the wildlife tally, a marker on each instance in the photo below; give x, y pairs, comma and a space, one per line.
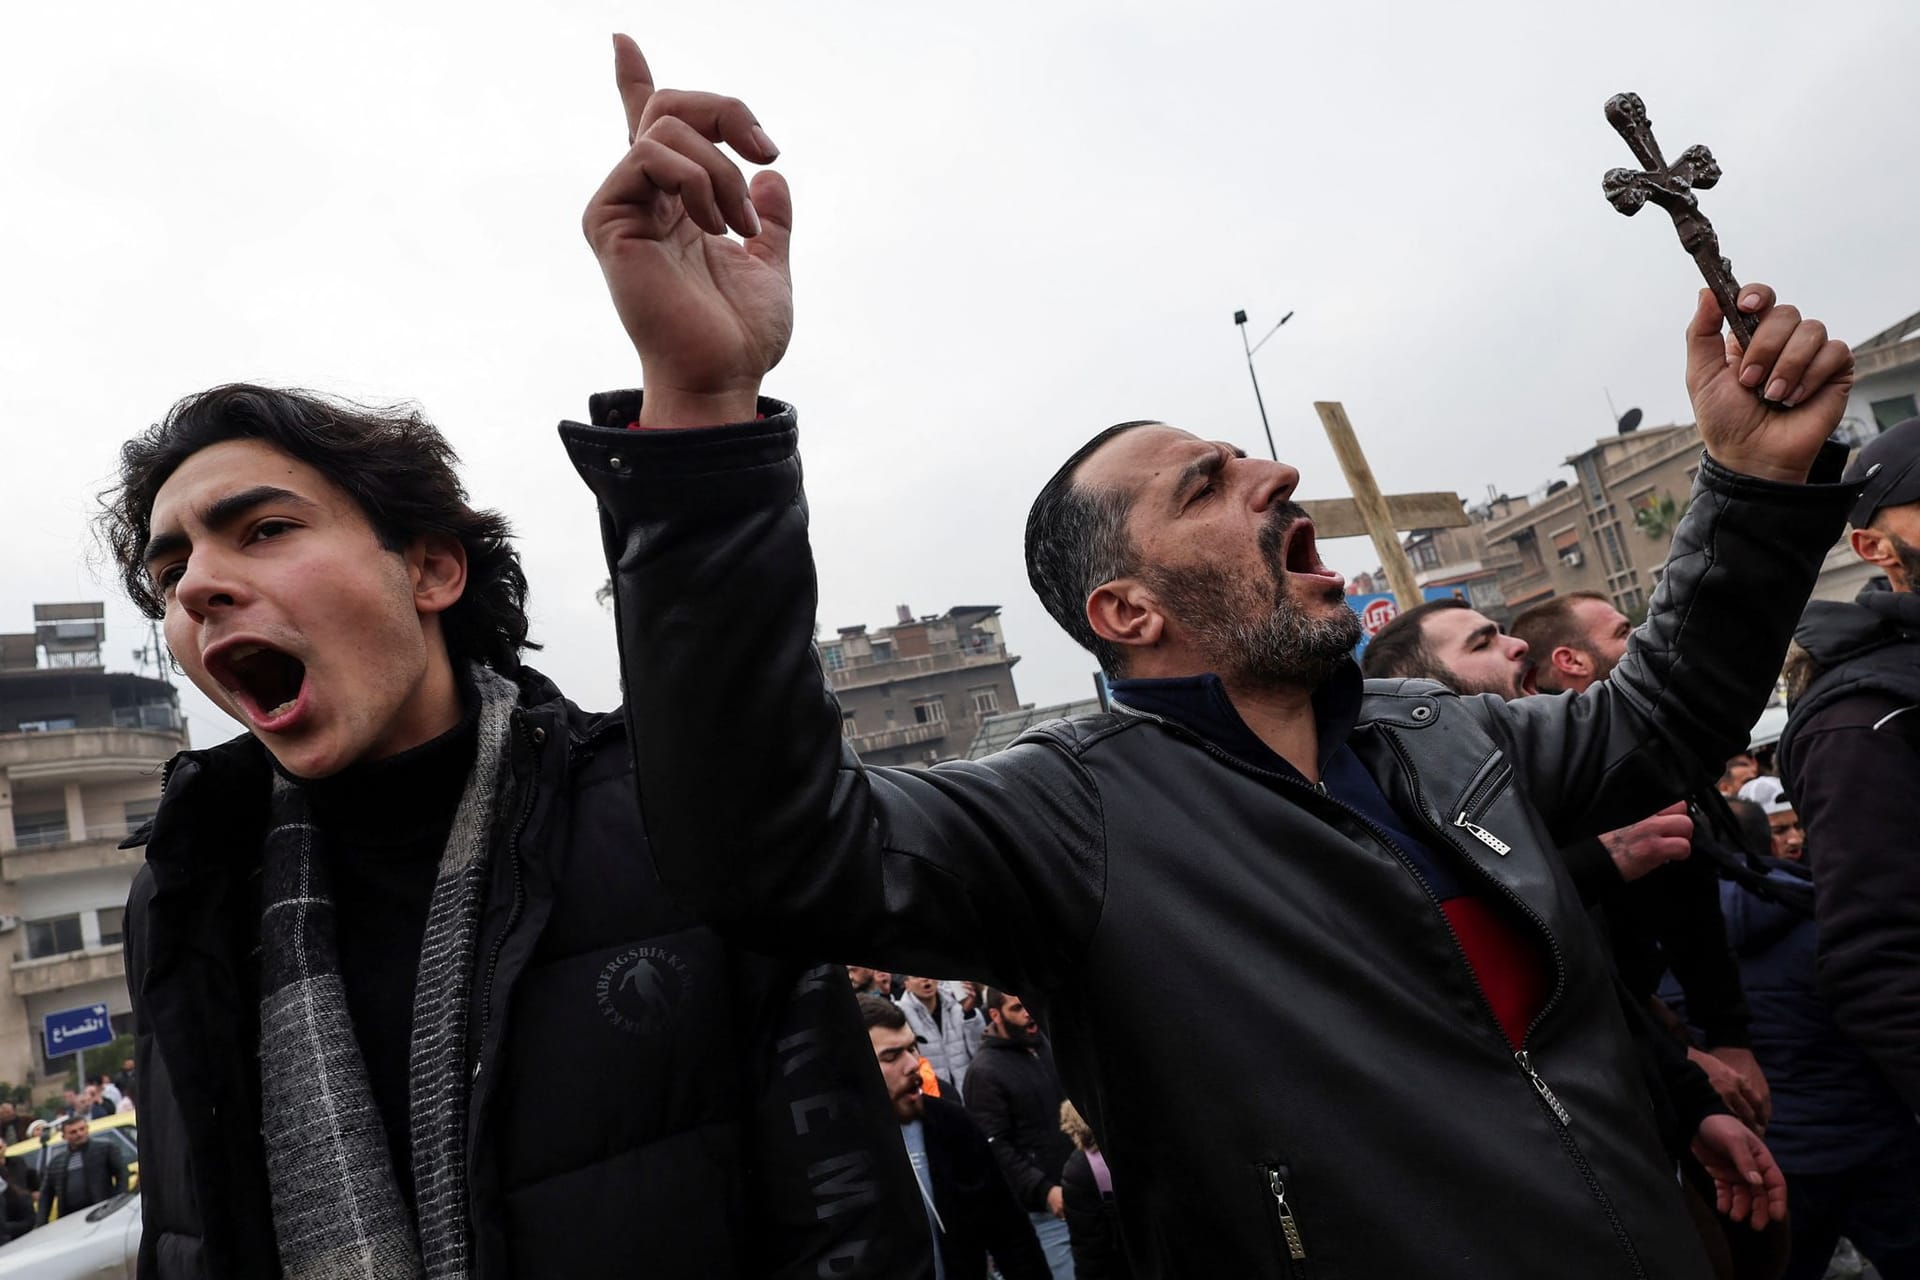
1255, 633
1909, 560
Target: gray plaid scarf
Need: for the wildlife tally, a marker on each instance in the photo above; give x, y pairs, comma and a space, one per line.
337, 1210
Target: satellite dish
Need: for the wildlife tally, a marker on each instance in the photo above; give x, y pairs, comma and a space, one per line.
1630, 422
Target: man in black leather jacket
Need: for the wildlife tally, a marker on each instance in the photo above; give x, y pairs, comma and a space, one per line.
1225, 897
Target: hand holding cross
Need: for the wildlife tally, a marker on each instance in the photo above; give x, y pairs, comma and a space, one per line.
1671, 186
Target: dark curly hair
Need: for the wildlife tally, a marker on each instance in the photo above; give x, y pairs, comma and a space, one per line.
393, 463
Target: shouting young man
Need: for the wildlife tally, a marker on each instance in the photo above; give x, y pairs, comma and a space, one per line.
377, 933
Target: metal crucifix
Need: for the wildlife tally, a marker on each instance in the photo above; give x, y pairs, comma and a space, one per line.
1671, 186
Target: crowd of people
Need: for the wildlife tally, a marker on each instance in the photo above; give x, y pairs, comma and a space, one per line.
69, 1171
1281, 971
1751, 937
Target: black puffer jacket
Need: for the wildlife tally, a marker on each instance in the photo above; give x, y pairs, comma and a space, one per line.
747, 1136
1850, 757
1013, 1090
1248, 985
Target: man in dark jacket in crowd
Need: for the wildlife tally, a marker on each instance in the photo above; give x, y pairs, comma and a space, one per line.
1850, 757
1850, 1148
1221, 896
83, 1174
374, 923
1014, 1091
1660, 904
969, 1209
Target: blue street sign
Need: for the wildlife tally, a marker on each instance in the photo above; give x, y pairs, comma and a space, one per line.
71, 1030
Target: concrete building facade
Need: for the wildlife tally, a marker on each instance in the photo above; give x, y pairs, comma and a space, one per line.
914, 693
81, 755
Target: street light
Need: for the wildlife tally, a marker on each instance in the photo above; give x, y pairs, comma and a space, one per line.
1240, 319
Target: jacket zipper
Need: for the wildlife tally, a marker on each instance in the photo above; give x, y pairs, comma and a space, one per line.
519, 897
1541, 1090
1563, 1120
1276, 1179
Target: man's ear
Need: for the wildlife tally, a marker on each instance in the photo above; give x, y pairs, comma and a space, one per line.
1874, 547
437, 566
1123, 612
1571, 661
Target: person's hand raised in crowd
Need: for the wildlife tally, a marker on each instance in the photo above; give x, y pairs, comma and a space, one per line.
1747, 1185
708, 314
1765, 411
1651, 843
1750, 1103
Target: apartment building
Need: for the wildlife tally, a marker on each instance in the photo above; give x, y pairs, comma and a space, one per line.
81, 753
914, 693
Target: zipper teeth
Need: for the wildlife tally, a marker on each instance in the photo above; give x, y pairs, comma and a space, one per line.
513, 912
1500, 772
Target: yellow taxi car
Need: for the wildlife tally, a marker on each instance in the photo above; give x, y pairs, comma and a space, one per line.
120, 1131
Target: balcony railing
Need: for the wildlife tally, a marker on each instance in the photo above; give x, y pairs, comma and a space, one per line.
887, 739
53, 839
867, 670
70, 969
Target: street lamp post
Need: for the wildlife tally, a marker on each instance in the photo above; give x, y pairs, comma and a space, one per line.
1240, 320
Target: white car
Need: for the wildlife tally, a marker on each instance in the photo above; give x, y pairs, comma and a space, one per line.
101, 1243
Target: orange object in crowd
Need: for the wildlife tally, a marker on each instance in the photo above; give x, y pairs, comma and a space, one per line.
929, 1082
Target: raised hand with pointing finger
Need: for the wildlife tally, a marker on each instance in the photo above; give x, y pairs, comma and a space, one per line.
708, 314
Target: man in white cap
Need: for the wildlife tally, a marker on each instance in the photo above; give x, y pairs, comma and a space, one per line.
1770, 794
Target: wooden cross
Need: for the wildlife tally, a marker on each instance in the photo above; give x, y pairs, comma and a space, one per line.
1671, 186
1380, 516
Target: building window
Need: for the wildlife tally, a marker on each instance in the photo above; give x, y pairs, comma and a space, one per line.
1889, 413
113, 926
883, 651
140, 813
1611, 538
986, 700
847, 729
1589, 471
929, 711
50, 725
55, 937
1566, 545
835, 657
37, 830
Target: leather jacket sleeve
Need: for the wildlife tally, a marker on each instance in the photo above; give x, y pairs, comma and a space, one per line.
758, 815
833, 1193
1696, 675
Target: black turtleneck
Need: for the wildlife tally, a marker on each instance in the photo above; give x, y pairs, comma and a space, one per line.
384, 825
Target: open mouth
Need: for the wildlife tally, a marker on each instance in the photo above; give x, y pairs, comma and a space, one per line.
265, 681
1300, 556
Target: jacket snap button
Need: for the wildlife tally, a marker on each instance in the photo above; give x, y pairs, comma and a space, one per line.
1422, 714
617, 462
539, 737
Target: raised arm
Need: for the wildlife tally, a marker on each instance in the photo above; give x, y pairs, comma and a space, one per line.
1743, 562
757, 814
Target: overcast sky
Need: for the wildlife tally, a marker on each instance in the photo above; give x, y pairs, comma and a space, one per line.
1015, 224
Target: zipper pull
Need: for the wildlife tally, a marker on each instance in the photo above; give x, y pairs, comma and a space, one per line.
1483, 835
1321, 787
1526, 1065
1278, 1187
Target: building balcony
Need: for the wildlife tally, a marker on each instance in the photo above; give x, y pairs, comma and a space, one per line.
106, 754
887, 739
73, 969
1522, 588
47, 855
860, 672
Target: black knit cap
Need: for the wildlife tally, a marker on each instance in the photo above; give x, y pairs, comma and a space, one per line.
1889, 466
